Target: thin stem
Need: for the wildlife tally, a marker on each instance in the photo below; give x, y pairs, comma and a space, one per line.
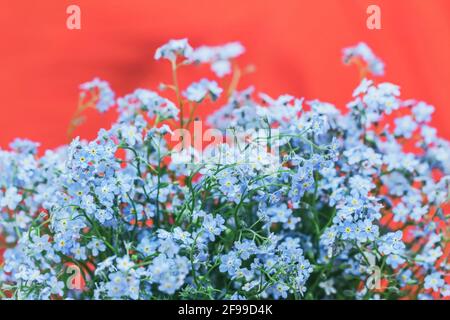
81, 107
234, 81
177, 92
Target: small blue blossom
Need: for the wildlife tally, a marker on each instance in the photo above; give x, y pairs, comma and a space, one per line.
174, 48
434, 281
96, 246
392, 243
361, 50
10, 198
198, 91
79, 252
106, 97
230, 263
405, 126
213, 226
422, 112
218, 57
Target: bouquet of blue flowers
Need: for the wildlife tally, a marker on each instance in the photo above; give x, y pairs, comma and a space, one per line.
291, 199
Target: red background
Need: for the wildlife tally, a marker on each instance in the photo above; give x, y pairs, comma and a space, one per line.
295, 46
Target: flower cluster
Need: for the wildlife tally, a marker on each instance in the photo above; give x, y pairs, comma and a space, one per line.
323, 204
105, 97
363, 52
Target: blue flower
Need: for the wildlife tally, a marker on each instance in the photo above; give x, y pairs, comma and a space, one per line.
230, 263
183, 236
117, 286
401, 213
106, 191
96, 246
103, 215
174, 48
405, 126
146, 247
79, 252
77, 191
24, 146
124, 263
63, 244
392, 243
422, 112
88, 204
348, 230
197, 91
213, 226
434, 281
279, 213
227, 184
362, 50
106, 97
10, 199
363, 87
218, 57
406, 277
394, 260
367, 231
280, 290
